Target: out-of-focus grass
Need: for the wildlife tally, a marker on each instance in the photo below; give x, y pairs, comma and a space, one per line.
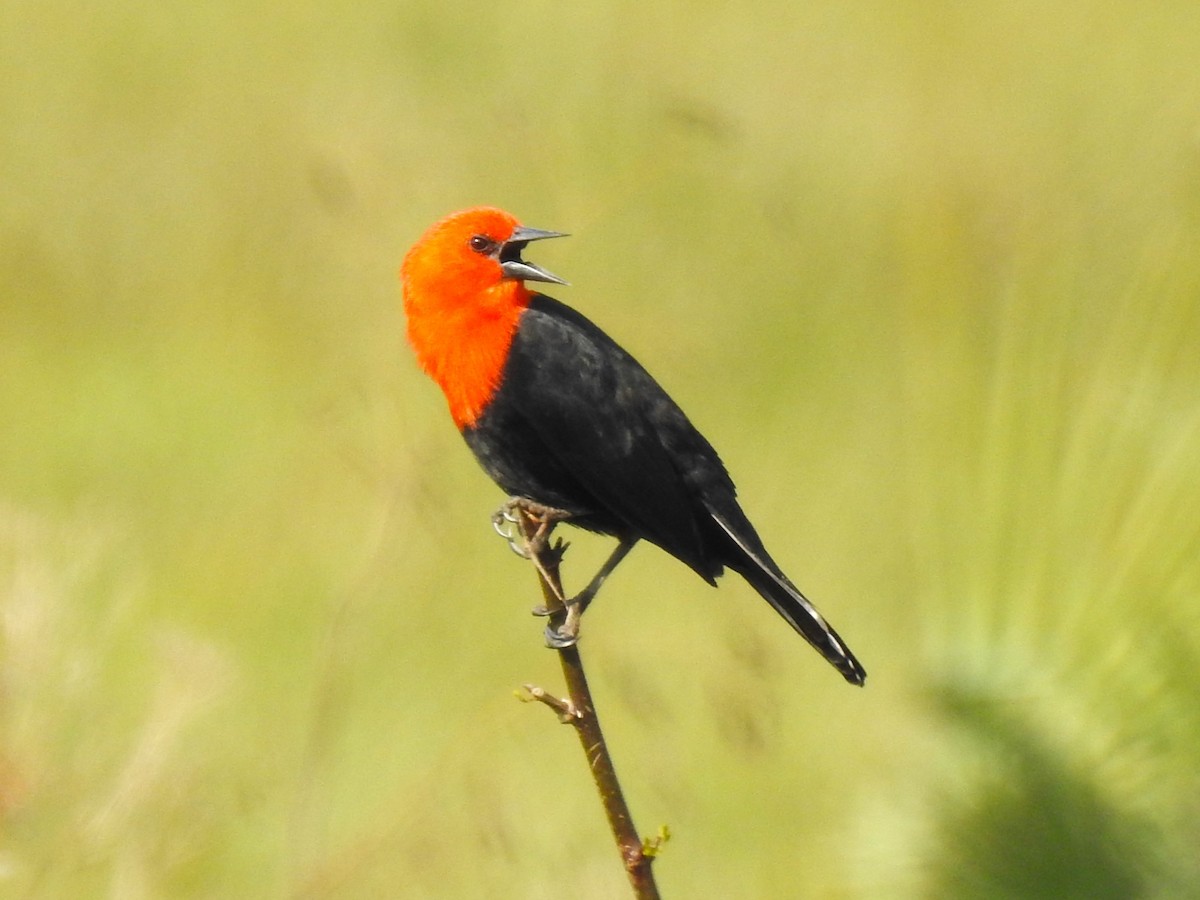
927, 275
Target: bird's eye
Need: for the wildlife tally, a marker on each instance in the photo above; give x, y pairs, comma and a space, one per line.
481, 244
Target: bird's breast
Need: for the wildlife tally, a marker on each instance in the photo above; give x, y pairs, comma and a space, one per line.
465, 353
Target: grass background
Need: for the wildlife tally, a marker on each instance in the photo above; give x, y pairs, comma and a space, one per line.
928, 276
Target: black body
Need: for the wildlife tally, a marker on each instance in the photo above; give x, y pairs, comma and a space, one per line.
579, 425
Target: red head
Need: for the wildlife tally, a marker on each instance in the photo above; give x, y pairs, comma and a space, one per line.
463, 296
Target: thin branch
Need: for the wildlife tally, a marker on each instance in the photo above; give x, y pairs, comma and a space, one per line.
579, 711
567, 713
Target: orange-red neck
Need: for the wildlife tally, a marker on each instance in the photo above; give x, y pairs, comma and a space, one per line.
463, 341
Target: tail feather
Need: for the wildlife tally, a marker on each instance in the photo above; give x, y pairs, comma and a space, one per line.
764, 576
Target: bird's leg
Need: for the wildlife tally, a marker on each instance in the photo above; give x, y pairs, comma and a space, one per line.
545, 517
536, 522
535, 541
568, 633
585, 597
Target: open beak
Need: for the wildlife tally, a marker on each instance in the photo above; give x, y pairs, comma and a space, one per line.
516, 268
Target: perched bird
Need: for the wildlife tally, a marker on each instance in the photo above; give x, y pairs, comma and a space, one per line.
558, 414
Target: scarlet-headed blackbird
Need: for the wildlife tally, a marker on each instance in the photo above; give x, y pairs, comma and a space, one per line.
558, 414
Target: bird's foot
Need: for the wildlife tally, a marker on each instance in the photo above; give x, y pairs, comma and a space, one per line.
559, 637
507, 523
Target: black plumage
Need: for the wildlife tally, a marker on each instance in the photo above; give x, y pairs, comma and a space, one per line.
578, 424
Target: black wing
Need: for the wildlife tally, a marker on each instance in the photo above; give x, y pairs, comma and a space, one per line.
607, 425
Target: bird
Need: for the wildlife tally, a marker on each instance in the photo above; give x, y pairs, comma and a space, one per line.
568, 423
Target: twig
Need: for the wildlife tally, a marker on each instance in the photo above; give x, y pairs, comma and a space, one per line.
579, 711
567, 713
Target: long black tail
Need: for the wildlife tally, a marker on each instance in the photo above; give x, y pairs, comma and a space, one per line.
753, 564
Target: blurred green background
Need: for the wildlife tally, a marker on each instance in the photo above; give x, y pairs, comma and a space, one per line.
928, 275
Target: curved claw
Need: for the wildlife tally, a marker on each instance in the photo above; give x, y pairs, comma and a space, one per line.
502, 520
540, 611
557, 640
